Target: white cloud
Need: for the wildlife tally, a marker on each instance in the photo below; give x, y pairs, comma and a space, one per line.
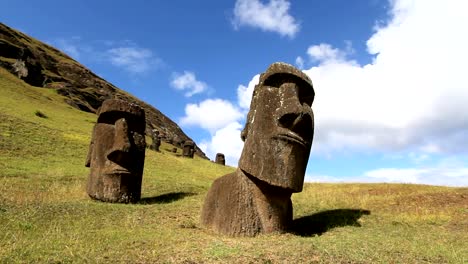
73, 47
299, 62
446, 172
325, 53
124, 54
188, 81
244, 93
69, 46
226, 140
224, 121
211, 114
411, 97
455, 176
409, 175
273, 16
133, 59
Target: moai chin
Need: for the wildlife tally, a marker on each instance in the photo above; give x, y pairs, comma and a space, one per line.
117, 153
278, 134
189, 149
220, 159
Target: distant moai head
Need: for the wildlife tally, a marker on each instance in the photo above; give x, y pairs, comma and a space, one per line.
117, 153
280, 127
156, 140
220, 159
176, 141
189, 149
155, 133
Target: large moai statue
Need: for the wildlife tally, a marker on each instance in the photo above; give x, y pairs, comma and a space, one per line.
156, 140
220, 159
117, 153
278, 134
189, 149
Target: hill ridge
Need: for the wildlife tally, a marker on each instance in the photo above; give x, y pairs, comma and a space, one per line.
42, 65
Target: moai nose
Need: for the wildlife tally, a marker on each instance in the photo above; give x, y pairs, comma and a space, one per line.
293, 114
121, 146
291, 110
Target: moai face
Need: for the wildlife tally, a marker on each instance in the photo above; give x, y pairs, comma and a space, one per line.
220, 159
155, 133
189, 149
117, 153
280, 126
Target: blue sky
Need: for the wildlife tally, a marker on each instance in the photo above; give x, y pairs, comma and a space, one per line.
389, 75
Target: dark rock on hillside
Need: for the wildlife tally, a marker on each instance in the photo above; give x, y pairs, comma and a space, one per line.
41, 65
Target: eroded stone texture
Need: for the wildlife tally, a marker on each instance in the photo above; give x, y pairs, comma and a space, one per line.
278, 135
189, 149
220, 159
176, 141
156, 140
117, 153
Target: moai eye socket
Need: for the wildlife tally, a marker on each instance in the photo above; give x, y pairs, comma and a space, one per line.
306, 92
139, 141
306, 95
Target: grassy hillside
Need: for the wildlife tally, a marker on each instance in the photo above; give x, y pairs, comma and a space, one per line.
46, 66
46, 216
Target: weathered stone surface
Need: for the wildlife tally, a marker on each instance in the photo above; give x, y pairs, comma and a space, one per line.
278, 136
176, 141
156, 143
220, 159
169, 140
189, 149
117, 153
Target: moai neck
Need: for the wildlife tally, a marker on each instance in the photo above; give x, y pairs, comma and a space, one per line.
273, 205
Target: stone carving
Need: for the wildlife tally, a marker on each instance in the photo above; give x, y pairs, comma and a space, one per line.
156, 140
174, 150
117, 153
189, 149
176, 141
220, 159
278, 134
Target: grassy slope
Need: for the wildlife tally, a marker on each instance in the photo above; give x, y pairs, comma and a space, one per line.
46, 216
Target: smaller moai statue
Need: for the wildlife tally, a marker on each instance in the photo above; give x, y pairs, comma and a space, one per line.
220, 159
116, 153
174, 150
156, 140
189, 149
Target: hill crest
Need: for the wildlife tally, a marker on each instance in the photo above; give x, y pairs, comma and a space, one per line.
41, 65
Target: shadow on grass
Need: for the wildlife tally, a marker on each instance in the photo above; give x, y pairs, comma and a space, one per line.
165, 198
321, 222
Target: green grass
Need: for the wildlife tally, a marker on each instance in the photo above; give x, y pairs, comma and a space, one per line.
46, 216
